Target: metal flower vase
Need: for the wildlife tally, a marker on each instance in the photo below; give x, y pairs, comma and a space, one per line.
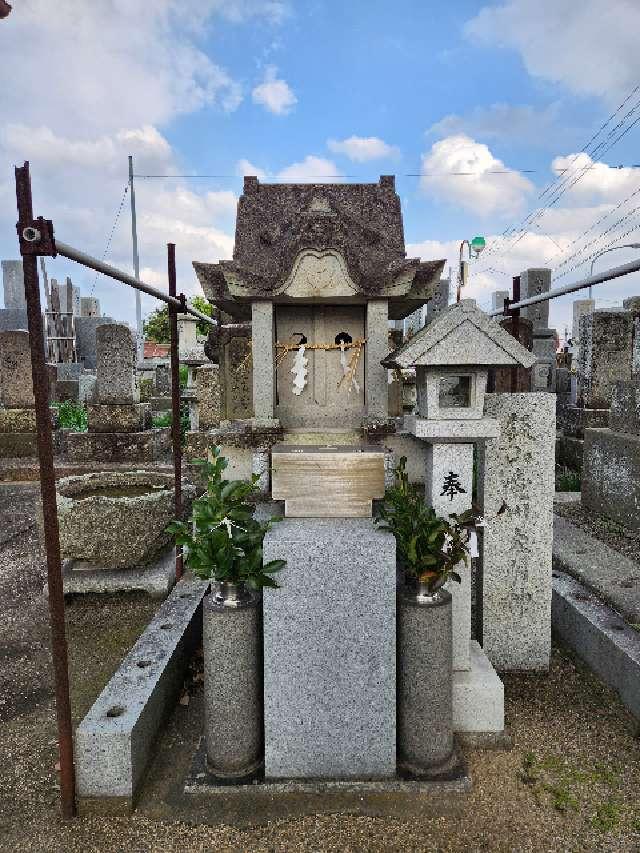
425, 681
232, 645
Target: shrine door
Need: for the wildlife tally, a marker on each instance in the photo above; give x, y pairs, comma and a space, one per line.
322, 403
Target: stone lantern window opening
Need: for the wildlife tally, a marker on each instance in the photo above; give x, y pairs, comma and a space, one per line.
455, 391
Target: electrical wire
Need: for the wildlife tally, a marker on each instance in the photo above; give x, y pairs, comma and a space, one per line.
113, 228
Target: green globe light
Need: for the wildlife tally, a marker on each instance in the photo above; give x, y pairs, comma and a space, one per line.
477, 245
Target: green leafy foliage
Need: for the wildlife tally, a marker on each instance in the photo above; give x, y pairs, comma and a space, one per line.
165, 419
72, 416
156, 326
222, 537
429, 547
567, 480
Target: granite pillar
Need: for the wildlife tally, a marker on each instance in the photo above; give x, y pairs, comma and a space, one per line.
376, 349
208, 396
116, 364
16, 381
605, 356
581, 307
448, 488
263, 352
515, 493
330, 651
13, 285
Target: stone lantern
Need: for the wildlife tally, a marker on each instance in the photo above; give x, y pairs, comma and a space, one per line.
452, 357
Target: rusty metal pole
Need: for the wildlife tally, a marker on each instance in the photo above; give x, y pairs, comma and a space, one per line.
515, 314
175, 395
59, 650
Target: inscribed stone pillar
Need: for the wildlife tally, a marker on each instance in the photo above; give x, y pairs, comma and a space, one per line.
534, 282
376, 348
162, 381
515, 492
116, 364
13, 285
16, 381
208, 396
263, 352
439, 301
187, 335
580, 308
330, 651
448, 488
632, 304
606, 355
89, 306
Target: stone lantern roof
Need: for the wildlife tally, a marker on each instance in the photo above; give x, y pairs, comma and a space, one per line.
340, 243
461, 335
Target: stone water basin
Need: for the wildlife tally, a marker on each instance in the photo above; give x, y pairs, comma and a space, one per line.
117, 520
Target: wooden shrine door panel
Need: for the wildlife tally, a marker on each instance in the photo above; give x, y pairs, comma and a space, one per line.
321, 403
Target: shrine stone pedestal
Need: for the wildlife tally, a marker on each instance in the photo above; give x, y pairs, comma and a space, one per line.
330, 651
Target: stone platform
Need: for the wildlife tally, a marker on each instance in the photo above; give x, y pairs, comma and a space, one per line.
330, 651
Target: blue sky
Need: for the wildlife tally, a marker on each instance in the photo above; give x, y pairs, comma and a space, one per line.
293, 89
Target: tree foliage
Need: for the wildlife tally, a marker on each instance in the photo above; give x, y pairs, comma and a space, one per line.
156, 326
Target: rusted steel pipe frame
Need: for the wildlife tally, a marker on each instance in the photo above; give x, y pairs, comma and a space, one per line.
106, 269
59, 650
175, 396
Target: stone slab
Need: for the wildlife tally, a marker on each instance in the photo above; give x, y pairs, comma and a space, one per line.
600, 637
111, 417
265, 801
611, 475
478, 695
18, 445
533, 282
209, 392
452, 431
13, 318
516, 475
625, 407
114, 742
156, 579
160, 404
573, 420
145, 446
17, 420
376, 349
13, 285
330, 651
85, 329
263, 349
612, 576
605, 355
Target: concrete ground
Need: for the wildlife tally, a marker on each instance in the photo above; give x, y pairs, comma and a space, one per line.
569, 784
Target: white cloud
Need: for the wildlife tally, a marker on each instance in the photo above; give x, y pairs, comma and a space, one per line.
361, 149
109, 65
246, 167
274, 94
593, 178
590, 47
311, 170
480, 191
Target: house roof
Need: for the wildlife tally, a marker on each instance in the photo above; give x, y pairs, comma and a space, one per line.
461, 335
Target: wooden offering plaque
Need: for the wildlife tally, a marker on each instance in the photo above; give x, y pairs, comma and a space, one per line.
327, 481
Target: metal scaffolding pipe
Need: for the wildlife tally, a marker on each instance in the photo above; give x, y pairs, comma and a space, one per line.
589, 281
106, 269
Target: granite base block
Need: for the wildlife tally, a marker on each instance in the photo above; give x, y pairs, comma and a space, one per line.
118, 446
156, 579
135, 417
330, 651
113, 743
478, 696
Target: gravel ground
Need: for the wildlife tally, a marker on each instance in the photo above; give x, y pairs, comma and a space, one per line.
569, 784
615, 535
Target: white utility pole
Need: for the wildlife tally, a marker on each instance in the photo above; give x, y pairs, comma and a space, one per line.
136, 268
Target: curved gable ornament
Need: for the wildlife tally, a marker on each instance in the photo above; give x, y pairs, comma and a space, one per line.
319, 274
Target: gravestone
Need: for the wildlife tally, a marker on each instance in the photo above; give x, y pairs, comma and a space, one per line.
116, 364
13, 285
89, 306
605, 356
581, 307
330, 651
611, 460
632, 304
85, 329
515, 491
498, 298
17, 413
534, 282
208, 397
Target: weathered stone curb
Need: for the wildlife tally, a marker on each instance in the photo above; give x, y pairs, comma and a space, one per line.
611, 575
113, 742
599, 636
